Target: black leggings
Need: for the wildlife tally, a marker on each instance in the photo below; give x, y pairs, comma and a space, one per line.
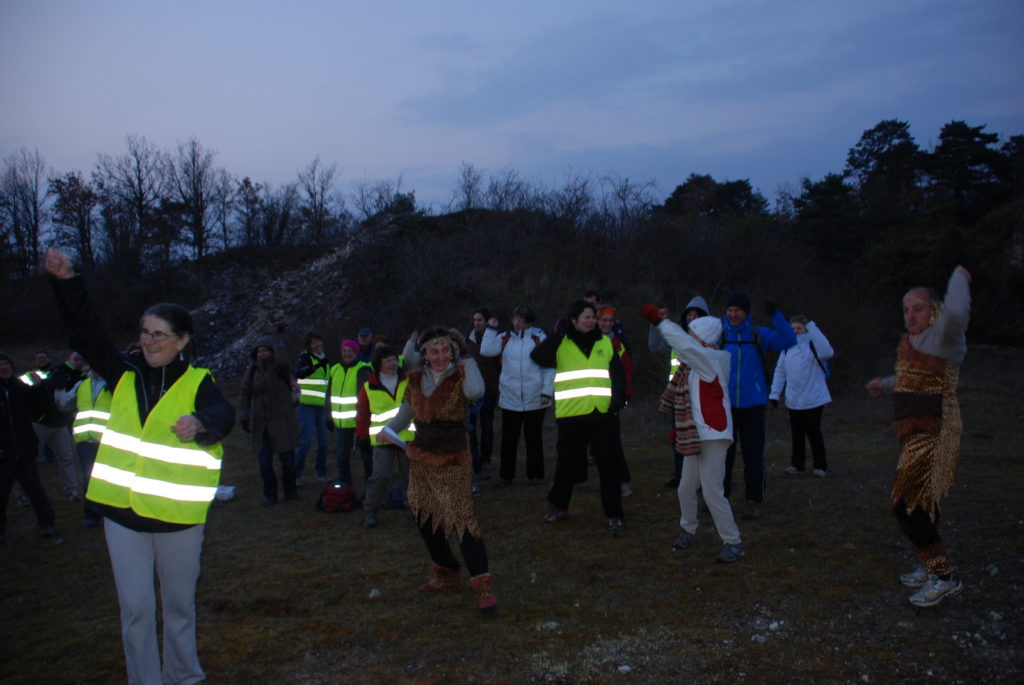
918, 525
474, 553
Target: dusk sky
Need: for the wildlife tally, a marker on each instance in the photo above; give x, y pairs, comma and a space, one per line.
652, 91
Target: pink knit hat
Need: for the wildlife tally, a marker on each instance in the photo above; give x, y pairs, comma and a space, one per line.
350, 343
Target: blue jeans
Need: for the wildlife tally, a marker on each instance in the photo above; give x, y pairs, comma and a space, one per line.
311, 419
266, 459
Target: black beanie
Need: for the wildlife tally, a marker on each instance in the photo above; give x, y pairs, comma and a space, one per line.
738, 299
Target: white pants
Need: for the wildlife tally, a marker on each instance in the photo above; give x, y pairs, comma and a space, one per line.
707, 472
175, 559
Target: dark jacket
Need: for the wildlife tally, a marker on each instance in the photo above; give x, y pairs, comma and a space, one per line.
265, 399
19, 405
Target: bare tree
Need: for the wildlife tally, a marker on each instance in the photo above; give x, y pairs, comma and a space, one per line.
191, 177
223, 203
249, 202
131, 188
468, 193
372, 198
574, 201
74, 214
624, 204
279, 215
507, 192
316, 183
23, 197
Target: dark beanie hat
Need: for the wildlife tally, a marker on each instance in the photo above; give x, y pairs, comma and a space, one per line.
7, 358
738, 299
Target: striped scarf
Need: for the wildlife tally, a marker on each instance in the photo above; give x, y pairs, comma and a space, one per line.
676, 398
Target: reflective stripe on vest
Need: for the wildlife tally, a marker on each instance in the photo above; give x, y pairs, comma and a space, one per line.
147, 468
344, 393
91, 419
313, 388
383, 408
33, 377
582, 384
673, 365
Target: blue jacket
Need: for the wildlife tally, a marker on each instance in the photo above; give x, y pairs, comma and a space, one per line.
747, 385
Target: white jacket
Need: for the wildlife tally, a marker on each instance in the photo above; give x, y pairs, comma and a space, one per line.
522, 380
709, 379
798, 374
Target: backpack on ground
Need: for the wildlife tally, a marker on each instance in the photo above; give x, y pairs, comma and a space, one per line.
336, 496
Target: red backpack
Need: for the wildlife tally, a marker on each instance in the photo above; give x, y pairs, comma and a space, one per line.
336, 496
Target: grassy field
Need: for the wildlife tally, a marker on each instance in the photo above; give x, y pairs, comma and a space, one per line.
285, 594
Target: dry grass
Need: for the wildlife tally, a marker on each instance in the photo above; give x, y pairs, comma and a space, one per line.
285, 591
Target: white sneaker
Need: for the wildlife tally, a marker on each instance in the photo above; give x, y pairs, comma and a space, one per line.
916, 578
792, 470
935, 590
626, 490
820, 473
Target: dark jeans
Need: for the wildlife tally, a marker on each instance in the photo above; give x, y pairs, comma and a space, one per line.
531, 424
748, 431
86, 458
481, 415
312, 420
573, 438
27, 473
287, 459
620, 454
806, 424
474, 552
346, 442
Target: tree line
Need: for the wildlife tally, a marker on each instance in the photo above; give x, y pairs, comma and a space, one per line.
895, 214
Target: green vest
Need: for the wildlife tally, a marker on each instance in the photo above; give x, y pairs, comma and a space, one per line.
91, 419
147, 468
344, 393
383, 408
313, 388
33, 377
583, 384
673, 365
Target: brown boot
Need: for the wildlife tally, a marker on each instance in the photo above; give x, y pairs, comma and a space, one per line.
441, 578
483, 588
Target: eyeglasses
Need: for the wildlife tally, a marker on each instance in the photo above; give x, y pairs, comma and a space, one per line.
155, 336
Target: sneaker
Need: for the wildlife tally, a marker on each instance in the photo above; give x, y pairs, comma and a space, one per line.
916, 578
753, 510
371, 520
626, 490
935, 590
616, 525
820, 473
792, 470
731, 553
475, 489
555, 515
685, 540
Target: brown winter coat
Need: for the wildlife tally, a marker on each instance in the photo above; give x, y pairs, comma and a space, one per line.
265, 399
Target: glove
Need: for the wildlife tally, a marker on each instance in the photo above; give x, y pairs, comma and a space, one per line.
652, 314
775, 403
770, 306
246, 426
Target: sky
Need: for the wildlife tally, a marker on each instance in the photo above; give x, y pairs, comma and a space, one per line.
769, 91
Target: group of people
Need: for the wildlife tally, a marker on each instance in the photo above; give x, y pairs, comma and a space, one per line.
156, 424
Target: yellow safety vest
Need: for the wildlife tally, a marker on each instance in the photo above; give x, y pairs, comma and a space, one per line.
146, 467
583, 384
33, 377
383, 408
313, 388
673, 365
91, 419
344, 393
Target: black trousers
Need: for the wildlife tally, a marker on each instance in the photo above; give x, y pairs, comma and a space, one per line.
531, 424
923, 533
474, 552
27, 473
573, 438
805, 424
747, 431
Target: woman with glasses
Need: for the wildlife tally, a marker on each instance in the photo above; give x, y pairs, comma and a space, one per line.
156, 472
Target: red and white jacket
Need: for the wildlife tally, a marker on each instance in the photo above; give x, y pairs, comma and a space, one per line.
709, 380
